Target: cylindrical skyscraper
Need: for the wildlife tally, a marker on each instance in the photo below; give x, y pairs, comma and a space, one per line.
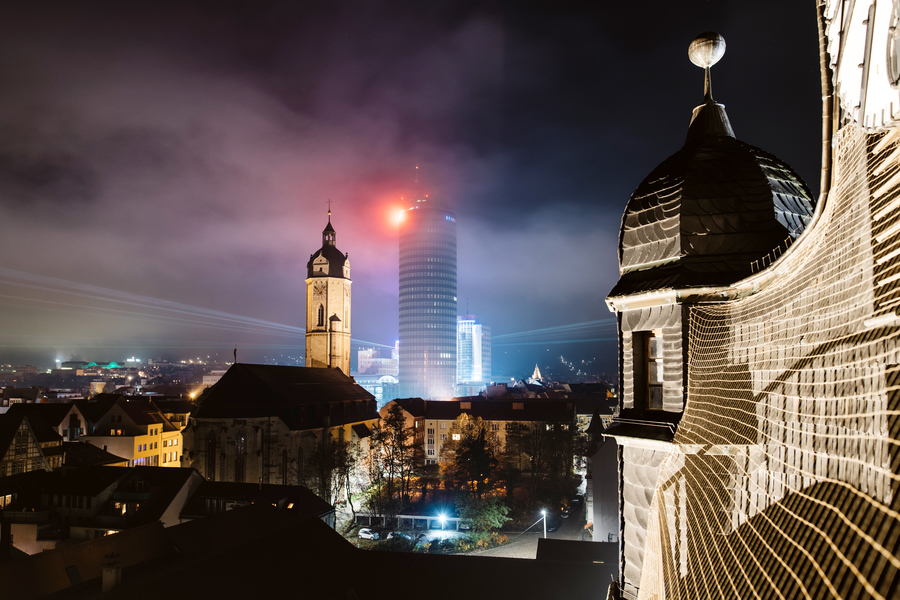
427, 302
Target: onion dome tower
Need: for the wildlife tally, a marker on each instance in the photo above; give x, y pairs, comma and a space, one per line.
705, 219
328, 305
713, 212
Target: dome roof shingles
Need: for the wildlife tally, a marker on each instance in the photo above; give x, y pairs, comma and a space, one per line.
705, 214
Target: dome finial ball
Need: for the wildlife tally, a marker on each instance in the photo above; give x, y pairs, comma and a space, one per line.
706, 49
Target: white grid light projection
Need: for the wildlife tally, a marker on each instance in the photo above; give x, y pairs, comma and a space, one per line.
783, 478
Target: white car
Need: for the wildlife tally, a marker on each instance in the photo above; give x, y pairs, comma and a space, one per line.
367, 534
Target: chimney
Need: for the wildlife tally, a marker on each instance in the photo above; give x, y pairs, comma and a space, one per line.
112, 572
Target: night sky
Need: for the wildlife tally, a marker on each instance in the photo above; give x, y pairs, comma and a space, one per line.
161, 161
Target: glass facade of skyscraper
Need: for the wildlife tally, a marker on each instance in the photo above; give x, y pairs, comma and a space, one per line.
427, 302
473, 353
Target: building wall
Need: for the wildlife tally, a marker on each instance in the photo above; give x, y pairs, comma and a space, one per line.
473, 352
666, 321
261, 449
333, 295
427, 302
785, 457
24, 453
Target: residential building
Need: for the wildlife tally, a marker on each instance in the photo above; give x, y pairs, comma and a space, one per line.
50, 509
434, 421
427, 301
136, 430
27, 443
328, 305
12, 395
216, 497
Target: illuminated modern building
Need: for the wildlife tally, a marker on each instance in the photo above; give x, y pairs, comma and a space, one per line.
427, 301
473, 356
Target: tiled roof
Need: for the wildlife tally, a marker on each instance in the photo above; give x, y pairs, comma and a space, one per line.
79, 454
43, 419
52, 412
306, 503
706, 214
490, 410
290, 393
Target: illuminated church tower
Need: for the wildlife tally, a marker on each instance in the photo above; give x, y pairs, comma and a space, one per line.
328, 306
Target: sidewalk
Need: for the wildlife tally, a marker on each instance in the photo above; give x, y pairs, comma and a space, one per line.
525, 546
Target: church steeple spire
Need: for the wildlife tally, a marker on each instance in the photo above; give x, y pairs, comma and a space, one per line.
709, 118
328, 234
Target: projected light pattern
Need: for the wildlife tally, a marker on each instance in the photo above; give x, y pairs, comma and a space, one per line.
782, 479
136, 308
589, 331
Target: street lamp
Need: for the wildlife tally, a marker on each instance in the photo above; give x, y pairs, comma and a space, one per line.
544, 517
442, 519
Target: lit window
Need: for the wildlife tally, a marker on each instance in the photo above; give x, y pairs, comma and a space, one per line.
456, 436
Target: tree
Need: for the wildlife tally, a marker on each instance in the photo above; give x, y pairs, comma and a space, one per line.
470, 461
327, 470
391, 463
484, 514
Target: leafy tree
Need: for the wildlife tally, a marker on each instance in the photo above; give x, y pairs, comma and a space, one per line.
470, 461
327, 471
484, 514
391, 464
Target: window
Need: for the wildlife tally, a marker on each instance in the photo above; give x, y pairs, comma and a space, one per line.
456, 436
431, 441
321, 317
648, 369
431, 452
431, 431
443, 436
240, 448
443, 426
211, 456
495, 426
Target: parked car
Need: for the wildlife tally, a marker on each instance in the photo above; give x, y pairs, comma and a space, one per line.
397, 534
368, 534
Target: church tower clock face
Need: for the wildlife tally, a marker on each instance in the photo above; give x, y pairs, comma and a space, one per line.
319, 290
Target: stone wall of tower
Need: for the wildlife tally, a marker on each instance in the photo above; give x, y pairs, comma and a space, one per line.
324, 337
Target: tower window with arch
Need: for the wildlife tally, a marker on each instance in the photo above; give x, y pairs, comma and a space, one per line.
321, 316
240, 456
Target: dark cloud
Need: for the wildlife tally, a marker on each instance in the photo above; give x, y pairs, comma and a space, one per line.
185, 150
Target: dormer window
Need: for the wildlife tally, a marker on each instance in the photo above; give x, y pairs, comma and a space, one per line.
648, 370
